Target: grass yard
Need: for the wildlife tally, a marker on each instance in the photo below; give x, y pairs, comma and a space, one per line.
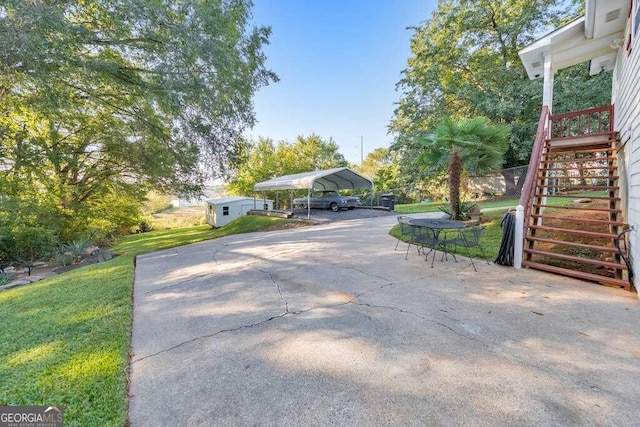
66, 340
496, 204
435, 206
490, 240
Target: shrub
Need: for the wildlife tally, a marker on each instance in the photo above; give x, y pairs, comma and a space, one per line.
145, 227
7, 244
466, 209
64, 259
34, 244
5, 278
76, 248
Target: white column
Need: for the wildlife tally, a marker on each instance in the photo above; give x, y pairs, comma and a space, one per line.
518, 238
547, 93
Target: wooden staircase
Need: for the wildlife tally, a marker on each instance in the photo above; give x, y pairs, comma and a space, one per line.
574, 224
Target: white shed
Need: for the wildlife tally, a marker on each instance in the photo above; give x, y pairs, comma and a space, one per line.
224, 210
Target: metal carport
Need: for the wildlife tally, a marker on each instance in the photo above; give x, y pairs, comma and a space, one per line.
329, 179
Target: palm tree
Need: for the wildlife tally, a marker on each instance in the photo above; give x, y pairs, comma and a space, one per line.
475, 145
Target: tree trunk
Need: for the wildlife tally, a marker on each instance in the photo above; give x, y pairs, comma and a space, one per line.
455, 174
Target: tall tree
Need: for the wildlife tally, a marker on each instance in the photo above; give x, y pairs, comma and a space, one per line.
263, 159
465, 63
108, 97
475, 145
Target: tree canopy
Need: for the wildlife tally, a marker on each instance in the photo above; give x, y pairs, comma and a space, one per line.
103, 99
465, 63
263, 159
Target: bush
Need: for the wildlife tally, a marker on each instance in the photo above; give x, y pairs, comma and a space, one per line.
145, 227
7, 244
64, 259
466, 209
77, 248
34, 244
5, 278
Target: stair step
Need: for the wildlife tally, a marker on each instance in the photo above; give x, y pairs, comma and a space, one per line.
563, 179
582, 187
608, 281
608, 236
575, 150
576, 208
592, 261
575, 244
594, 221
563, 144
583, 168
578, 160
574, 196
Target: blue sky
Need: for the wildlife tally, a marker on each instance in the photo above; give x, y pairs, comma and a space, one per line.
338, 63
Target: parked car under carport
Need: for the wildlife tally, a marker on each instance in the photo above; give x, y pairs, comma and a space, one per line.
327, 199
320, 180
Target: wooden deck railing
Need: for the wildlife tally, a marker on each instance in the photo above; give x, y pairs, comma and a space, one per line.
591, 122
534, 164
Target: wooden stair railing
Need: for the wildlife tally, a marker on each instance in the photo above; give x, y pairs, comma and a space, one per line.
574, 156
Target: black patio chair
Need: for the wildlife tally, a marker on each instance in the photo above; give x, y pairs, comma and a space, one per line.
424, 238
405, 228
469, 238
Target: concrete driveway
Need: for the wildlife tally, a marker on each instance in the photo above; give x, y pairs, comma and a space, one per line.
330, 325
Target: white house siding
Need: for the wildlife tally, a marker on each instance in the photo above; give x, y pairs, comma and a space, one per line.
626, 99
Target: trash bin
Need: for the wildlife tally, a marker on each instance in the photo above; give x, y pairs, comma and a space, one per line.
388, 201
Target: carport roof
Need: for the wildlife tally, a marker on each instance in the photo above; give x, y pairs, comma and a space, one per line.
330, 179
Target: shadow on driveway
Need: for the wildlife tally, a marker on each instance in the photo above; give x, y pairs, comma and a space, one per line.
329, 325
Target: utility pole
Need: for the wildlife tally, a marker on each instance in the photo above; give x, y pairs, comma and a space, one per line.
361, 150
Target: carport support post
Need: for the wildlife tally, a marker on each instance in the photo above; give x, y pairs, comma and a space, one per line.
308, 203
518, 237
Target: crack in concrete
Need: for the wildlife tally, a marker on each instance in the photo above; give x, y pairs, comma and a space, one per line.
287, 312
238, 328
200, 337
401, 310
184, 282
286, 303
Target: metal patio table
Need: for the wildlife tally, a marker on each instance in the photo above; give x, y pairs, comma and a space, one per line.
434, 238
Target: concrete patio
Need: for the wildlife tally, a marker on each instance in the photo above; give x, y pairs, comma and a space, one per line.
329, 325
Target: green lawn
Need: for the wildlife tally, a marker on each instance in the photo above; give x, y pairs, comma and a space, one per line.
435, 206
490, 241
493, 204
66, 340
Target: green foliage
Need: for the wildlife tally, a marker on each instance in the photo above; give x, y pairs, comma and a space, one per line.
263, 159
465, 63
475, 145
5, 278
101, 101
466, 209
77, 249
34, 244
7, 243
145, 227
